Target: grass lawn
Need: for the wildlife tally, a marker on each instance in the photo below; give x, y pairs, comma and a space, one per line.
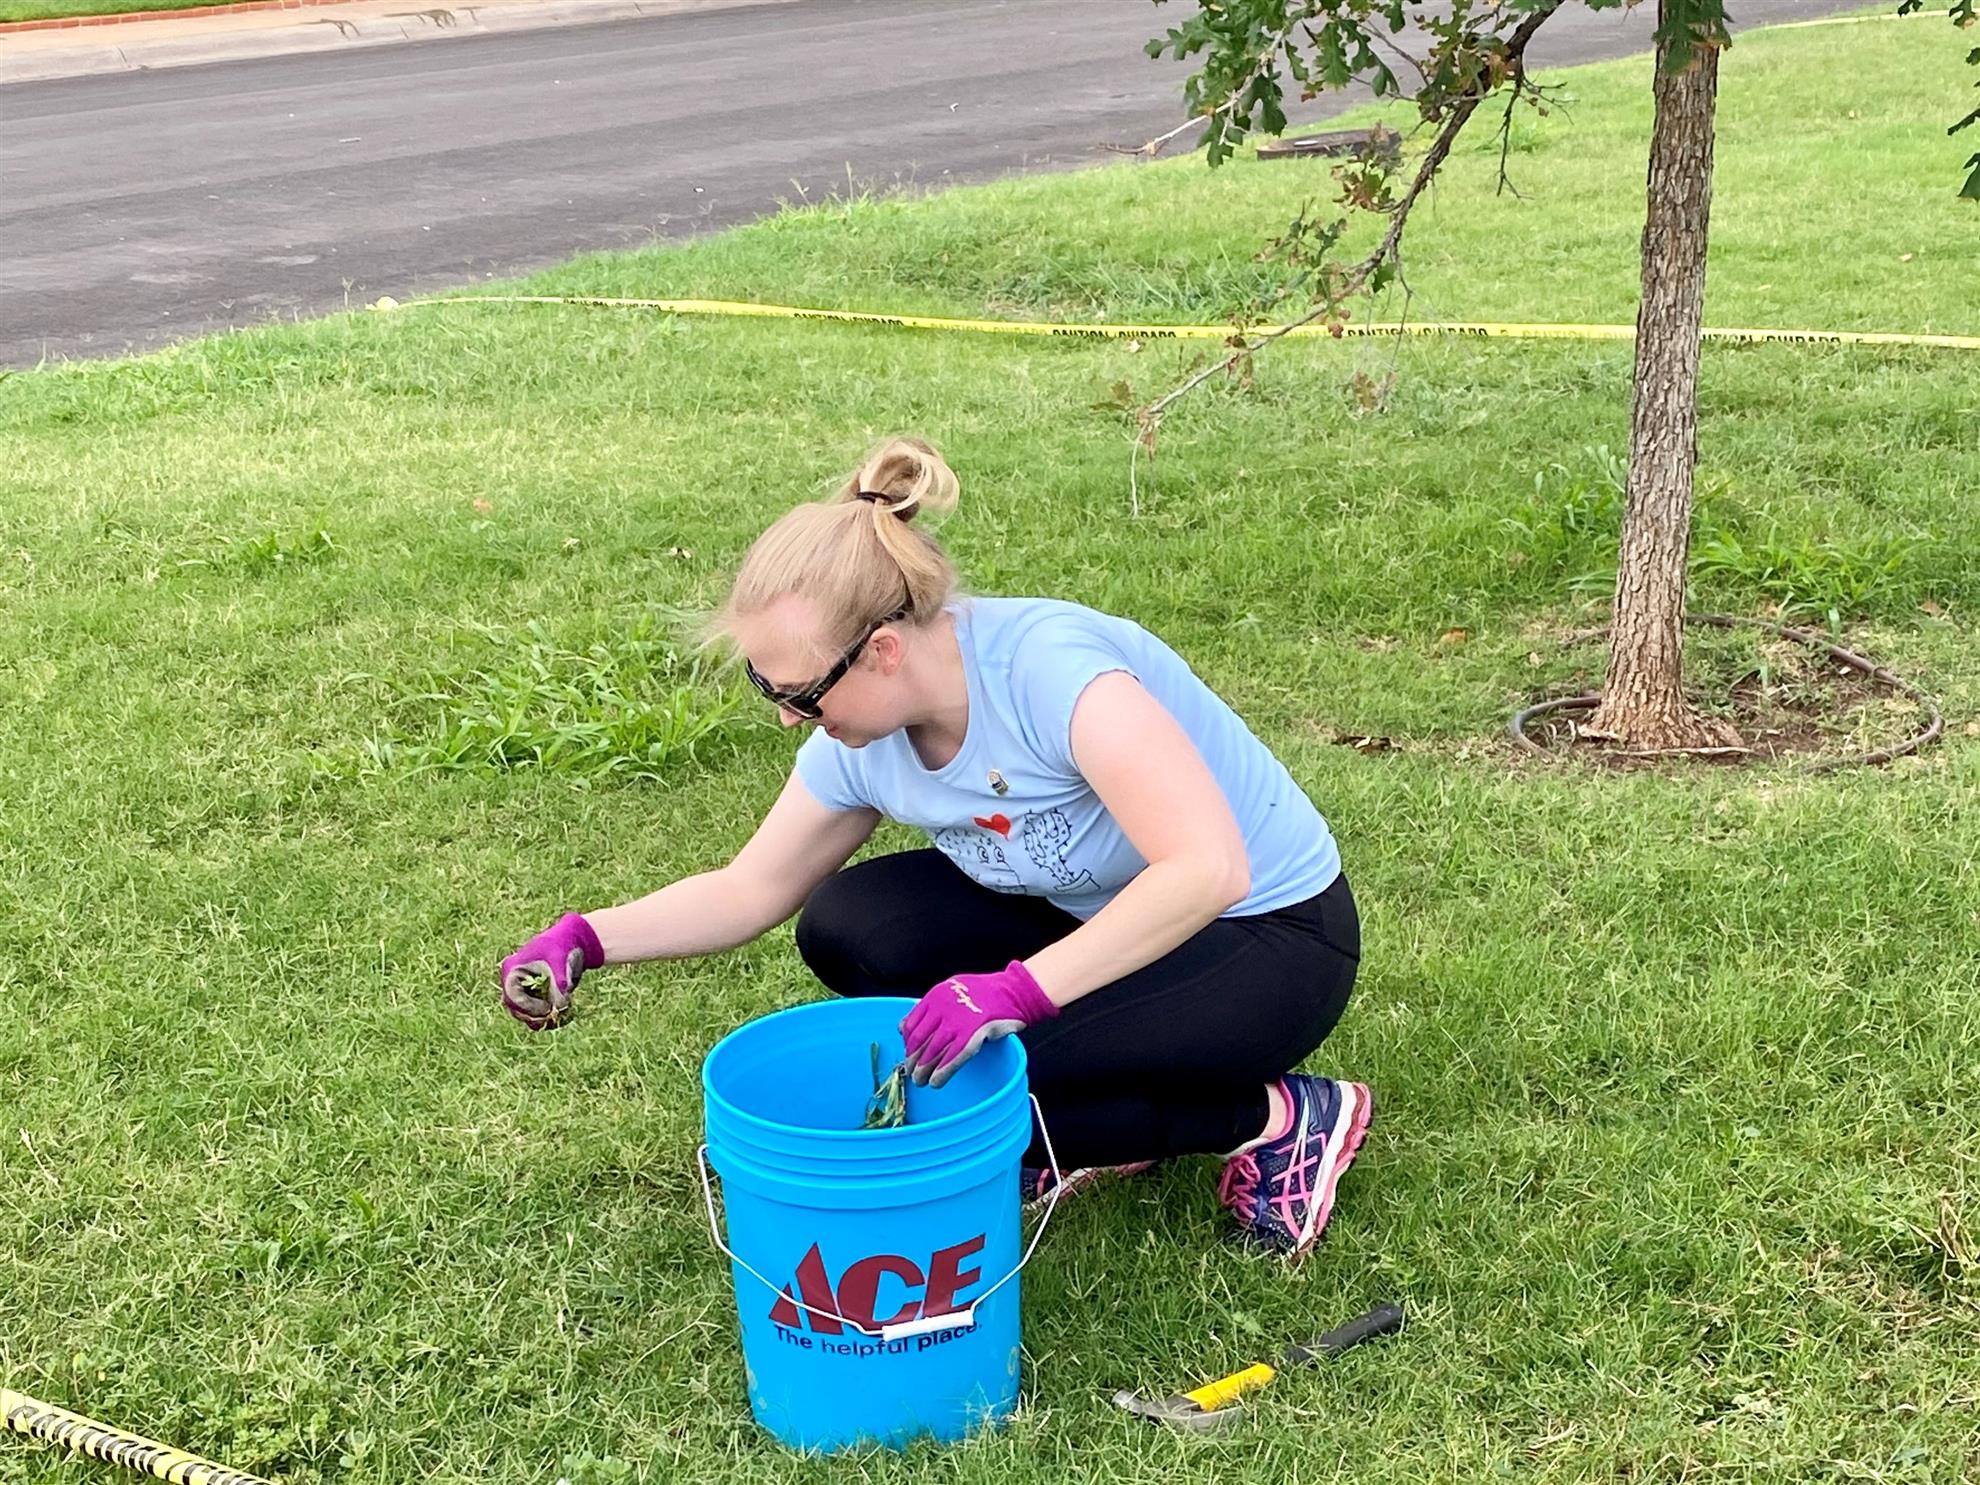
1680, 1072
36, 10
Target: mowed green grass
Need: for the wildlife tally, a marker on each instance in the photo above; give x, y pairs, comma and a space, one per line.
1834, 208
1678, 1070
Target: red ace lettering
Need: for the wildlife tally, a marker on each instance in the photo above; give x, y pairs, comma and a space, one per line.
857, 1293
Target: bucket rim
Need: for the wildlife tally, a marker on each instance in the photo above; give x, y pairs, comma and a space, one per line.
868, 1138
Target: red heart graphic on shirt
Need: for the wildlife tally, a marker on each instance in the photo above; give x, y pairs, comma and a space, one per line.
999, 823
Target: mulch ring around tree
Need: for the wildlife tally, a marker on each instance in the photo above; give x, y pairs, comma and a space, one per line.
1788, 694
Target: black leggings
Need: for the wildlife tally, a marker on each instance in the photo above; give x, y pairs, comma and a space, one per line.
1170, 1060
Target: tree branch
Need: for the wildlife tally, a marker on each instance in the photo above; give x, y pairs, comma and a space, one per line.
1381, 40
1505, 135
1260, 62
1536, 95
1389, 250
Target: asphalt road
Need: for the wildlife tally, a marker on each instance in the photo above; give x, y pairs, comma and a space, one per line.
139, 208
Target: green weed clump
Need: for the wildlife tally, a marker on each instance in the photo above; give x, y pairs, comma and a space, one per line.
628, 705
887, 1108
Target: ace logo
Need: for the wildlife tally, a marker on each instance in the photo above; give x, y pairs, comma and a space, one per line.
857, 1293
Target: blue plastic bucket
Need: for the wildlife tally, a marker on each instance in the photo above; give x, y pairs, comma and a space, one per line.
875, 1269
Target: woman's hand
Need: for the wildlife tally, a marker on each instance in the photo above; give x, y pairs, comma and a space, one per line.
952, 1022
537, 980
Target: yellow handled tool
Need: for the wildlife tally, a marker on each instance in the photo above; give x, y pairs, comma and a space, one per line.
40, 1420
1212, 1406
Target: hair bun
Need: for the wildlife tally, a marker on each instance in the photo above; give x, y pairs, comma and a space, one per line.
853, 566
905, 476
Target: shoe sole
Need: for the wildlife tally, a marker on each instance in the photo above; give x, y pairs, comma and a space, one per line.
1351, 1121
1077, 1181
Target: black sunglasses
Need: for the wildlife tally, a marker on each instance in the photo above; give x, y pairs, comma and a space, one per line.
805, 701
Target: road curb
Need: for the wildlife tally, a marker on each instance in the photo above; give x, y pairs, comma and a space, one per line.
277, 27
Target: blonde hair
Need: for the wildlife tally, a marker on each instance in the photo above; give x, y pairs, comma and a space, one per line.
854, 554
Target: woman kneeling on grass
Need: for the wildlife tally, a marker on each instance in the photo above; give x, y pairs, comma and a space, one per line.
1121, 873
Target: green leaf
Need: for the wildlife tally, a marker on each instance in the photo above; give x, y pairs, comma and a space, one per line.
1688, 24
1333, 58
887, 1108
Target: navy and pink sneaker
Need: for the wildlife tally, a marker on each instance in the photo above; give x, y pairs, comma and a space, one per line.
1282, 1190
1034, 1186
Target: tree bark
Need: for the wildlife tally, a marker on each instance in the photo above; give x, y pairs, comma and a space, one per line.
1643, 701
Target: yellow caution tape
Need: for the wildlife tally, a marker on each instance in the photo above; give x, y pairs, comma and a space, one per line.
41, 1420
1463, 329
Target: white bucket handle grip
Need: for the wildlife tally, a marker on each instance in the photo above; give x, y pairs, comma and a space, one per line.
963, 1319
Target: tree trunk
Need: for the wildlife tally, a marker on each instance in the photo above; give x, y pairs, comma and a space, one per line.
1643, 700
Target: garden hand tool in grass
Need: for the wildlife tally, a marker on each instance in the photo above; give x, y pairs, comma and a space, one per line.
537, 980
1215, 1405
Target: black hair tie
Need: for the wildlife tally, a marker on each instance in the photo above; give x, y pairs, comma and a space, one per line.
897, 509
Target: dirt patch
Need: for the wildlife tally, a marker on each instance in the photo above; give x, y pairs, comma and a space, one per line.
1784, 698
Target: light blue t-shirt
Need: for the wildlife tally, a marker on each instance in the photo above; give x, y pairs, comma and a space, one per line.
1047, 834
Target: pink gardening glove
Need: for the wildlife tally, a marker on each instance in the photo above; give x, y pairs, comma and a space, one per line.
951, 1022
537, 980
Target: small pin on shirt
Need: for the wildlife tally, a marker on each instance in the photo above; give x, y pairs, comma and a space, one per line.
997, 783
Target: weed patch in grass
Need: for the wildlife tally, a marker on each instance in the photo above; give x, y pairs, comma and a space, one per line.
629, 704
1806, 576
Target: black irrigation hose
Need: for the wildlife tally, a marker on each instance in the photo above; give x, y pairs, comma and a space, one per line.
1836, 652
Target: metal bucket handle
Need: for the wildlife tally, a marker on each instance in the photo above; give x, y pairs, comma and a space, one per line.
963, 1319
